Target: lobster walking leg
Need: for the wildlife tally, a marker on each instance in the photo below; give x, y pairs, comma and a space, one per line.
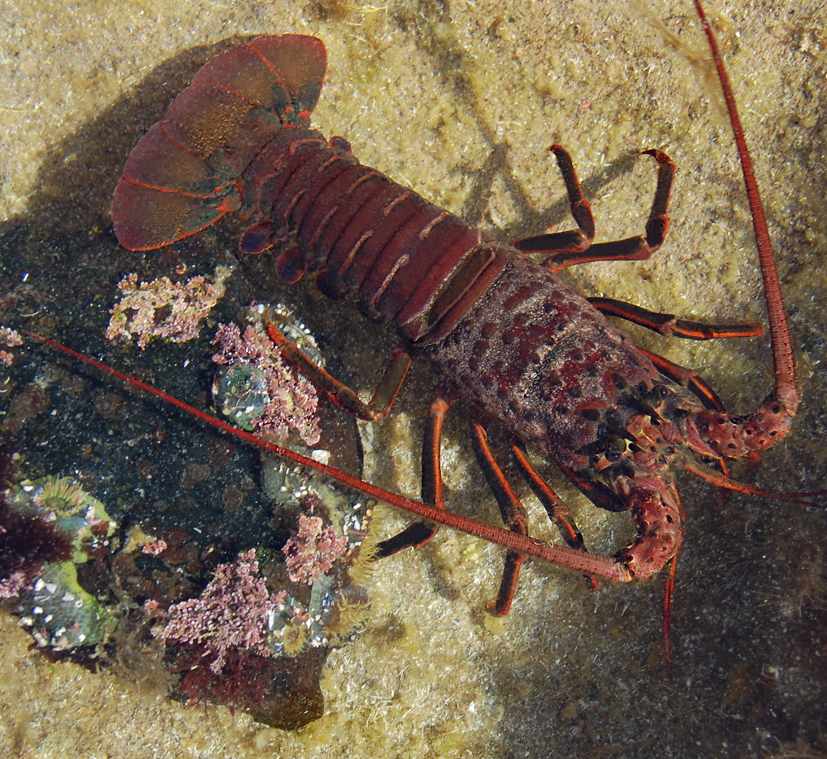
564, 249
573, 241
418, 533
513, 514
554, 506
432, 488
669, 324
340, 394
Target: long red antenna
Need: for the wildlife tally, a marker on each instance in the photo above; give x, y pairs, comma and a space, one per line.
562, 556
786, 390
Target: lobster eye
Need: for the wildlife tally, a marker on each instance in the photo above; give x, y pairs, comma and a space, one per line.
657, 395
614, 449
616, 444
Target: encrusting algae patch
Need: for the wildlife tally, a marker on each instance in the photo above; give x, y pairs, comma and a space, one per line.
460, 102
252, 633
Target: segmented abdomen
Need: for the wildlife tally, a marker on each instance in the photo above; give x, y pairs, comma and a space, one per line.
405, 260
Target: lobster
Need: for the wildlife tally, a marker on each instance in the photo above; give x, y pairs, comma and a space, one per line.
503, 331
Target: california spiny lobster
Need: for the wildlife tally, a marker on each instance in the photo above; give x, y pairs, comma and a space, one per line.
503, 331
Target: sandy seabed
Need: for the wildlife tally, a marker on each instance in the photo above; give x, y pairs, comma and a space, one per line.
460, 101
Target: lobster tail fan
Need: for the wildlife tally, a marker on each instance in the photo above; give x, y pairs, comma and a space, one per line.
184, 173
166, 193
300, 63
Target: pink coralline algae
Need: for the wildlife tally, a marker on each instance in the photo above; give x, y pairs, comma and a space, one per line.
229, 616
162, 308
155, 548
259, 390
17, 581
9, 338
312, 552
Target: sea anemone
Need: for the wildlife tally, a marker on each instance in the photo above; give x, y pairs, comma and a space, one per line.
294, 639
61, 496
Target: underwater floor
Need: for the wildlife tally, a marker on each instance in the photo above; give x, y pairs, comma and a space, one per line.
460, 101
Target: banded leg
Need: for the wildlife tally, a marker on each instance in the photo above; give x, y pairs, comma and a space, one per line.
669, 324
566, 249
513, 514
554, 506
573, 241
419, 533
339, 393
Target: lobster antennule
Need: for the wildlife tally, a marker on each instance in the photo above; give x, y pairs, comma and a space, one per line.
183, 174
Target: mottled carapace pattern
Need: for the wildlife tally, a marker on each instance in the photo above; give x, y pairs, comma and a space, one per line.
540, 359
